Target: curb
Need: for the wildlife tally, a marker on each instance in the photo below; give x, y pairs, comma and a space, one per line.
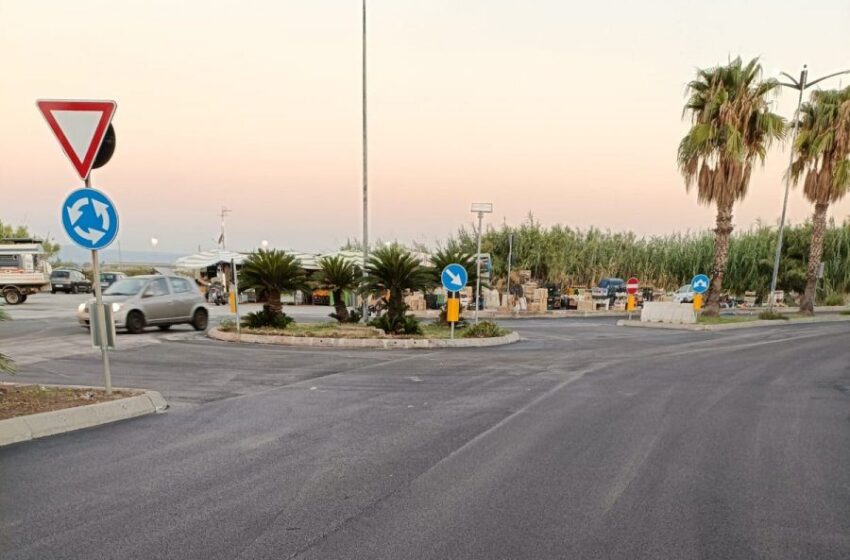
33, 426
734, 326
398, 343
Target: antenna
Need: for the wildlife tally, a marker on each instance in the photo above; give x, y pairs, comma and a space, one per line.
221, 238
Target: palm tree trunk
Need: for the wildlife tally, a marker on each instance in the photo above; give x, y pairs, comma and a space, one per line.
722, 233
341, 309
274, 301
807, 304
395, 305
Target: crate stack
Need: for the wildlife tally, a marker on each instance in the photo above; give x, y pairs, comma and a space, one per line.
415, 302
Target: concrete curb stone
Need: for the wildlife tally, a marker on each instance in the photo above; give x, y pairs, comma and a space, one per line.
734, 326
386, 343
33, 426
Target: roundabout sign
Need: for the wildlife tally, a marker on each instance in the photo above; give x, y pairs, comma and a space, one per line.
90, 219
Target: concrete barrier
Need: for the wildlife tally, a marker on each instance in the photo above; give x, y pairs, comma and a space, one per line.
673, 313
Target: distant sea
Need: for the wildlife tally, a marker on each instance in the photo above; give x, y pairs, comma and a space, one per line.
70, 253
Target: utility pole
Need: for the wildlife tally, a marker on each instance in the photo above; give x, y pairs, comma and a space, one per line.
365, 172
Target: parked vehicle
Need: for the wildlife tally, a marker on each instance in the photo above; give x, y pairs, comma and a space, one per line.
69, 281
24, 269
109, 278
609, 288
684, 294
154, 300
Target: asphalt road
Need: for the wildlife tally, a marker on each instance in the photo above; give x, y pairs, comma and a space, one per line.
583, 441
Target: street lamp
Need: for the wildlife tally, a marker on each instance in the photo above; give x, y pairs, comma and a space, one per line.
800, 85
480, 208
154, 242
265, 244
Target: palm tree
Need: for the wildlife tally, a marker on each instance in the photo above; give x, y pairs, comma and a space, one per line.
6, 363
823, 155
393, 269
338, 274
731, 127
444, 257
271, 272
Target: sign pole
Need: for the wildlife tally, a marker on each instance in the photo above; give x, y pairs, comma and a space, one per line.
100, 314
236, 296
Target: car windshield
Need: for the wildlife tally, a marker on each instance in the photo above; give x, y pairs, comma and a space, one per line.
59, 274
126, 287
685, 288
107, 277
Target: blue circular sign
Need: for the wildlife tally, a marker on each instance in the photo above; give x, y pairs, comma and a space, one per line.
454, 277
90, 219
700, 283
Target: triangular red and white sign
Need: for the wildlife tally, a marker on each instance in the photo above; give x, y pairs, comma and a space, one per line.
80, 127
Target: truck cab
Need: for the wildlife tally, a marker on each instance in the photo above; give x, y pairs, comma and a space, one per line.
24, 269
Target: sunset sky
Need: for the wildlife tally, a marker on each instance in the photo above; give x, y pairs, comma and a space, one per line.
568, 110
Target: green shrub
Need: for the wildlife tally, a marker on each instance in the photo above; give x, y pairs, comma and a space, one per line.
267, 318
405, 324
484, 329
772, 316
833, 298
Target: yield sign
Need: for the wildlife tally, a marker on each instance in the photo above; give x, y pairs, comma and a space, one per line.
80, 127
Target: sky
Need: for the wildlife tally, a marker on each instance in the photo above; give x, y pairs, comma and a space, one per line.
569, 111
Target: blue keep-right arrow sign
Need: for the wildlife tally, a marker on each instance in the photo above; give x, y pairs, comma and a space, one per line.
700, 283
454, 277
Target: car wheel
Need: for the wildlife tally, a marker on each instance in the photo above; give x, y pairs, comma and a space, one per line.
12, 296
24, 298
135, 322
200, 320
74, 289
52, 291
163, 327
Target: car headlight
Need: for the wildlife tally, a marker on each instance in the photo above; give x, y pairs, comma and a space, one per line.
116, 307
82, 307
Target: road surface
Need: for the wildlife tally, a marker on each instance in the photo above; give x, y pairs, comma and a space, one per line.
582, 441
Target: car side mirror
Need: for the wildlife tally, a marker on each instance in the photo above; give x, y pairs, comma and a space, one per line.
147, 293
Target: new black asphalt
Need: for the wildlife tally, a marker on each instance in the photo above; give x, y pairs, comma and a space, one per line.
583, 441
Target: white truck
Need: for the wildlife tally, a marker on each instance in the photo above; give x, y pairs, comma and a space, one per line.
24, 269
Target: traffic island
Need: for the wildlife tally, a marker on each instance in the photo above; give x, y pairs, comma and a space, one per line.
33, 411
322, 335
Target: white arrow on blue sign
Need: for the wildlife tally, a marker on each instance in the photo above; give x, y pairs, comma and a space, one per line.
90, 219
454, 277
700, 284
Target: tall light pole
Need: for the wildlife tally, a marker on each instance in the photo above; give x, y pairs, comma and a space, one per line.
800, 85
480, 208
365, 172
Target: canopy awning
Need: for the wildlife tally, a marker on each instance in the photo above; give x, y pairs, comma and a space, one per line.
209, 258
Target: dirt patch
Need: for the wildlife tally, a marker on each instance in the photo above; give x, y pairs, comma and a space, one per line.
20, 400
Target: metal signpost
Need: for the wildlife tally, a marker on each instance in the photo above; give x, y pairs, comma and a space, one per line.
699, 285
454, 279
235, 294
632, 287
89, 217
480, 208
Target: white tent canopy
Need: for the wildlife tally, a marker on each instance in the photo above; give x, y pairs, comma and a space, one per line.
209, 258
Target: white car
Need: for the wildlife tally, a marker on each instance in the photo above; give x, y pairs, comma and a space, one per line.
685, 294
